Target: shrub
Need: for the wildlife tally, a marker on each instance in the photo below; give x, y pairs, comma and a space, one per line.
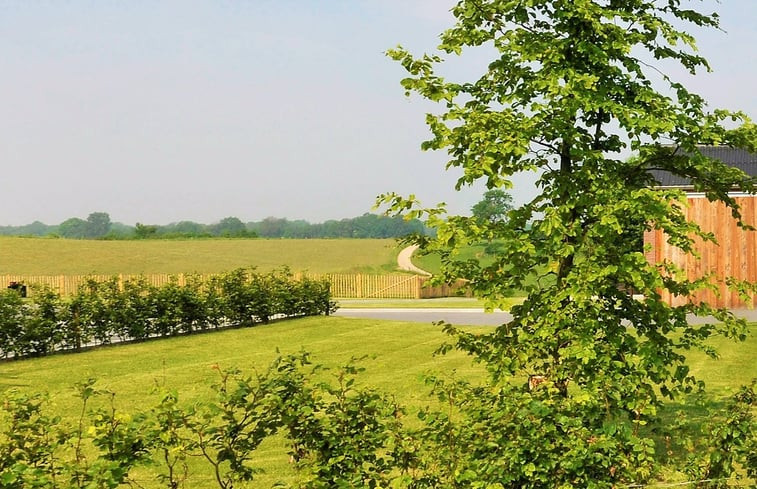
101, 312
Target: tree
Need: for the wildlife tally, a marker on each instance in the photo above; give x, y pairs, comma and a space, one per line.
494, 206
98, 225
145, 231
271, 227
185, 228
73, 227
230, 227
582, 375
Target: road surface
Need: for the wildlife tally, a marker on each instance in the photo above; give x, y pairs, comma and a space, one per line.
472, 317
405, 262
469, 317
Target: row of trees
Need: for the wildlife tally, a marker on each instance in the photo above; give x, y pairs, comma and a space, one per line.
104, 312
99, 226
365, 226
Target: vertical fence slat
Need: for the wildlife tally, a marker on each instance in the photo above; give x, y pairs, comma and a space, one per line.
733, 255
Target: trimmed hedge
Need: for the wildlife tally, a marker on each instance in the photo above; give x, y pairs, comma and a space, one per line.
106, 312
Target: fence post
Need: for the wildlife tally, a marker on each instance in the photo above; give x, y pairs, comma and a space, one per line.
328, 297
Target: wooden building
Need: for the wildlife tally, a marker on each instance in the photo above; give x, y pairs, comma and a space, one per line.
735, 255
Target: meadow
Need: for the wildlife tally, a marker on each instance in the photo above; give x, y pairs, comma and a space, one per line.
48, 256
399, 354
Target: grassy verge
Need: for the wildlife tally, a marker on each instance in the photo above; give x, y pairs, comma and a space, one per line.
44, 256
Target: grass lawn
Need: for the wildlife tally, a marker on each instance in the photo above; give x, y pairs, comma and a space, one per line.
46, 256
403, 353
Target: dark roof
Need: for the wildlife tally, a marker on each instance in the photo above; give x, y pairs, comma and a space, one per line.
738, 158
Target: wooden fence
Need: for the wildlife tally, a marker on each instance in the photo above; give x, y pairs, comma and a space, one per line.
347, 286
734, 255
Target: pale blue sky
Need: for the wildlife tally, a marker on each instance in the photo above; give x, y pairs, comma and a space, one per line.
160, 111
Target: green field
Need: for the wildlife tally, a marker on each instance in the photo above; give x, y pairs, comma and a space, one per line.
403, 353
432, 263
44, 256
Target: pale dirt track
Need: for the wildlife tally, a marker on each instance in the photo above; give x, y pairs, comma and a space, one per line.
404, 261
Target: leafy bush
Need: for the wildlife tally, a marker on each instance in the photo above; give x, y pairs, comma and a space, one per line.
341, 434
11, 321
103, 312
42, 326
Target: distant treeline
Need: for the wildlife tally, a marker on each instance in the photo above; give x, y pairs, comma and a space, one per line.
99, 226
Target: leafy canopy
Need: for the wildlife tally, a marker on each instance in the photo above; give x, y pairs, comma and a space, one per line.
572, 86
494, 206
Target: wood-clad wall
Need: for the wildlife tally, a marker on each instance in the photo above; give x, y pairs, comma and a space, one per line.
734, 255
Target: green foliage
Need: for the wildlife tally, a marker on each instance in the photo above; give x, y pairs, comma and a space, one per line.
346, 436
36, 228
106, 444
101, 312
97, 225
145, 231
28, 443
42, 451
42, 326
73, 228
365, 226
231, 227
566, 93
494, 206
729, 443
181, 365
11, 320
247, 410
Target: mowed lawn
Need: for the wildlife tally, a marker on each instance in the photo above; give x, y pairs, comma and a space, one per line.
403, 353
45, 256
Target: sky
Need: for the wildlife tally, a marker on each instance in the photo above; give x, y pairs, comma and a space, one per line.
163, 111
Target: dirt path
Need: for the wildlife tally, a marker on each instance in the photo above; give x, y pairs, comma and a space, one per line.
404, 261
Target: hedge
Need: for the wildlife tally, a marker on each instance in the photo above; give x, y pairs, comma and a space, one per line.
112, 311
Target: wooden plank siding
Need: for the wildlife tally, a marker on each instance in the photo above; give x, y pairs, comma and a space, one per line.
734, 255
353, 286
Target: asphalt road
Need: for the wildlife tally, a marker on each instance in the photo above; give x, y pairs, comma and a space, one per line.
472, 317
